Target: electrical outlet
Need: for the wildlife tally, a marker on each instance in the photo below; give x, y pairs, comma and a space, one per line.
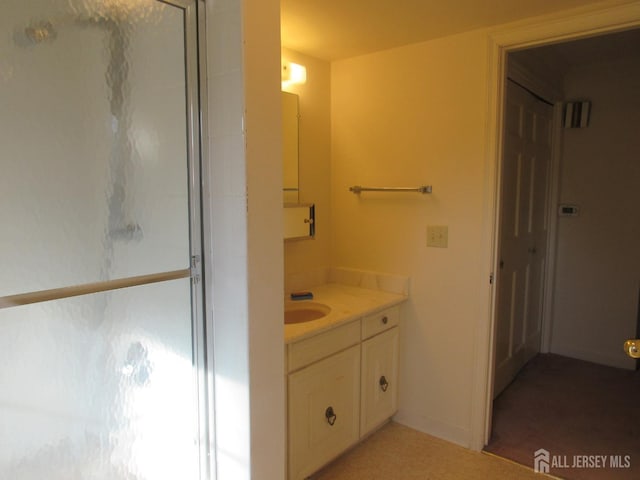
437, 236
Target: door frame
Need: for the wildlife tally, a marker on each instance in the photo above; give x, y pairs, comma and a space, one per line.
569, 25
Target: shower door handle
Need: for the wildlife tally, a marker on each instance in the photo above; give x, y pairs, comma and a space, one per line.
632, 348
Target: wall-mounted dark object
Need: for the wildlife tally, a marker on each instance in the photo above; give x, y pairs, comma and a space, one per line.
576, 114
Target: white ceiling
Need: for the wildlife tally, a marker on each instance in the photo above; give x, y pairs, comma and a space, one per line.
336, 29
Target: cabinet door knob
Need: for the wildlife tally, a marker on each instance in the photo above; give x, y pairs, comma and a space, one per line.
383, 383
331, 416
385, 319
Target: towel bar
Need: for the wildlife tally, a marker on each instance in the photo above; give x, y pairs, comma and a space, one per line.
422, 189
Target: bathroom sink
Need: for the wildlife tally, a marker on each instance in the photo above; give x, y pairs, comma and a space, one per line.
304, 312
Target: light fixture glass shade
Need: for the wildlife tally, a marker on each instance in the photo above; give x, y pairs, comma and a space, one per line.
293, 73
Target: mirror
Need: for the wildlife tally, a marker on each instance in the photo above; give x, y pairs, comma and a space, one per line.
290, 115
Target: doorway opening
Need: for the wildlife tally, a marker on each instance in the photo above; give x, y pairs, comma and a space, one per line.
576, 321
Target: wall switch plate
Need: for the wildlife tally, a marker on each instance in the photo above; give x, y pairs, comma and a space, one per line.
437, 236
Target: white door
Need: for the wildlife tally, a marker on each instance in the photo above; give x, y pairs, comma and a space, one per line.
523, 232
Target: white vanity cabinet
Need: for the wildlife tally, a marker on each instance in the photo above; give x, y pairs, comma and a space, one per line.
379, 371
342, 384
379, 380
323, 411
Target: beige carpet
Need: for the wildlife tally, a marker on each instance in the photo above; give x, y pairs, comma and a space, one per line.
397, 452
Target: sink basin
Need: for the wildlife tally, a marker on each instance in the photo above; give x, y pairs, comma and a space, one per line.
304, 312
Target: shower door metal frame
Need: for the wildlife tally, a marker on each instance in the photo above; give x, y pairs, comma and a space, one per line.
193, 21
202, 324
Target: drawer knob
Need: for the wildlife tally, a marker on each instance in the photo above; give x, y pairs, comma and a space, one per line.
331, 416
385, 320
383, 383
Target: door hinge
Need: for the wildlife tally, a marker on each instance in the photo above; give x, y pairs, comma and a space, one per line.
491, 278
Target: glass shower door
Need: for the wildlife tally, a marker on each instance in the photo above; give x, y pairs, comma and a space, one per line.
101, 327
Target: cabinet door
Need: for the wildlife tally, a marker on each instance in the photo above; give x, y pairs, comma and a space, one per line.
379, 380
324, 401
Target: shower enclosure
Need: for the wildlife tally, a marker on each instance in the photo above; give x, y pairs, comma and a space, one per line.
102, 337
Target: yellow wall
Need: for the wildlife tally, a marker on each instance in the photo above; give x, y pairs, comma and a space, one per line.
595, 305
314, 162
263, 157
406, 117
409, 116
242, 207
425, 114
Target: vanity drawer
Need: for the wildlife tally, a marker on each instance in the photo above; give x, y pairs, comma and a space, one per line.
307, 351
380, 321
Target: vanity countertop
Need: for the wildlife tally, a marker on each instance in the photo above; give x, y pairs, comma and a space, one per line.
347, 303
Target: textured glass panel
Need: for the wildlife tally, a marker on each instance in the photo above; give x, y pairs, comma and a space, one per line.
100, 387
93, 142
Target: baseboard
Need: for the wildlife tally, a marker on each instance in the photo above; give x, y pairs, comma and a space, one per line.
617, 361
458, 435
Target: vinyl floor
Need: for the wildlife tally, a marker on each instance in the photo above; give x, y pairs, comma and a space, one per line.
397, 452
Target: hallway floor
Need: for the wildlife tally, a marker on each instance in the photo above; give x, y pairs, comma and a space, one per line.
397, 452
571, 408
